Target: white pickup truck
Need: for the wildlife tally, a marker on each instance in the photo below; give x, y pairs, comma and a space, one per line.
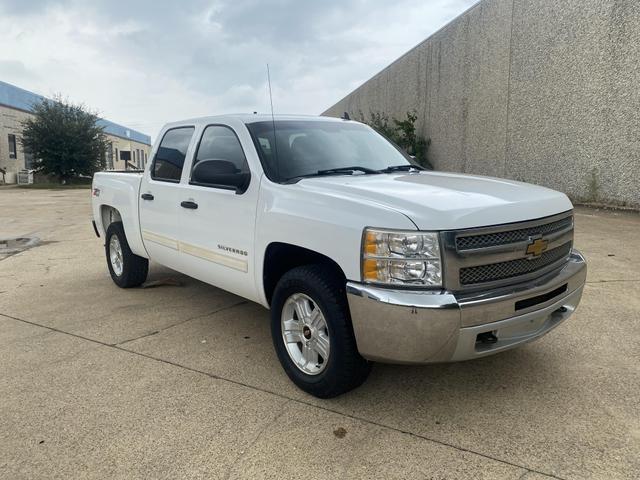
359, 253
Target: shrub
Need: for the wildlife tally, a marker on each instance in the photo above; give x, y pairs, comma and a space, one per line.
402, 133
65, 139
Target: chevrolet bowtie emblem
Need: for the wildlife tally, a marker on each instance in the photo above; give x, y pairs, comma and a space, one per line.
537, 246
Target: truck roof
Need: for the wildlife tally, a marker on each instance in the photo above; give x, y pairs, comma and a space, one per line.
254, 117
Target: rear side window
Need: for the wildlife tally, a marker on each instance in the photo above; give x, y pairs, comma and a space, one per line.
169, 160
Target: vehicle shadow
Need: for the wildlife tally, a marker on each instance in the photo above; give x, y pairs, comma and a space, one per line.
530, 368
510, 388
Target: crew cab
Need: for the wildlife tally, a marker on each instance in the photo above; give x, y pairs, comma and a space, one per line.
360, 254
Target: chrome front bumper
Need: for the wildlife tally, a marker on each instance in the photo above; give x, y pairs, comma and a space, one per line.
402, 326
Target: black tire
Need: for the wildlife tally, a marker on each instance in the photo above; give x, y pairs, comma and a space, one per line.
134, 268
345, 369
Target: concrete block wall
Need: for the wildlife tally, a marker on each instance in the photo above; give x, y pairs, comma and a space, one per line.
543, 91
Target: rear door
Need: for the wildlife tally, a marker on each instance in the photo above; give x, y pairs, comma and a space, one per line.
220, 198
160, 210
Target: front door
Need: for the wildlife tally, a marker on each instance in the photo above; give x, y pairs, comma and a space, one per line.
160, 194
219, 200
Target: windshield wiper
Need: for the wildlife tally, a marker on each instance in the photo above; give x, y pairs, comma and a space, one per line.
400, 168
347, 170
333, 171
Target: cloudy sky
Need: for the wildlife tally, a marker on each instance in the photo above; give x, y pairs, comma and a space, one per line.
143, 63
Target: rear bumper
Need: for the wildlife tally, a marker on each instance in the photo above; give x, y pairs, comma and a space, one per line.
400, 326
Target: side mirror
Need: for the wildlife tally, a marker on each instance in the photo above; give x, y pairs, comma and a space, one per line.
220, 174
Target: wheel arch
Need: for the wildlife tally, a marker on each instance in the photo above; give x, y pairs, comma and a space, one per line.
109, 215
281, 257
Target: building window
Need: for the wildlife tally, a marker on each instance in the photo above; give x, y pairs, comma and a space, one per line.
28, 161
12, 146
117, 157
125, 156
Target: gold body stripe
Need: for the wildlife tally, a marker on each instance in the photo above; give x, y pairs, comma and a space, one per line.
206, 254
215, 257
160, 239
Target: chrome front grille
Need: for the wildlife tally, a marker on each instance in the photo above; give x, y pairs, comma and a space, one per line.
512, 268
512, 236
504, 254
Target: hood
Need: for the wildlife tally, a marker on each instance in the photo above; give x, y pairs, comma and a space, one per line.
444, 201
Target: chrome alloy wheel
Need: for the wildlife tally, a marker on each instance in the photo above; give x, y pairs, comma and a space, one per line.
305, 334
115, 255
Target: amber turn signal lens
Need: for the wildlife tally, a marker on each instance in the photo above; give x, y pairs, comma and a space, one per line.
371, 243
370, 269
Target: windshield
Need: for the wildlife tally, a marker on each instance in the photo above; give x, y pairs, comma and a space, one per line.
309, 148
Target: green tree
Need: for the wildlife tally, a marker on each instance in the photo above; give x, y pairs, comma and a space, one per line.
402, 133
64, 139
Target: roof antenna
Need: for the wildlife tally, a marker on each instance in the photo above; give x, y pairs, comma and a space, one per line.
273, 124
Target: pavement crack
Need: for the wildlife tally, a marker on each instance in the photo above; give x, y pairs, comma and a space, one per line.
35, 336
53, 329
195, 317
291, 399
144, 335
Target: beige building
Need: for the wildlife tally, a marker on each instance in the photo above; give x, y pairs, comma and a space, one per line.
126, 154
128, 149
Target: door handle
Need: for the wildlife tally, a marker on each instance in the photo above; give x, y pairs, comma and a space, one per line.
146, 196
189, 204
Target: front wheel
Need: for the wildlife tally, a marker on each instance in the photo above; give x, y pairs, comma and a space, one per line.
126, 268
312, 333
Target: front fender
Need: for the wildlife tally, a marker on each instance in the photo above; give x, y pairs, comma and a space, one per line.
326, 223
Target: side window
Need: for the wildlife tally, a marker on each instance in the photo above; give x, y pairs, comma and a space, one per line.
220, 160
168, 162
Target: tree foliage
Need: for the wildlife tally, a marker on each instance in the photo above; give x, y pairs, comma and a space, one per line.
402, 133
64, 139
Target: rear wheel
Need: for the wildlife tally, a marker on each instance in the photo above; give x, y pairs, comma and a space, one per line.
312, 332
126, 268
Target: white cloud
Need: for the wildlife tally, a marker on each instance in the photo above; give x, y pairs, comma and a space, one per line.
142, 63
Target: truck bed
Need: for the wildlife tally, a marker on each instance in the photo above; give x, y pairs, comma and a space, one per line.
119, 191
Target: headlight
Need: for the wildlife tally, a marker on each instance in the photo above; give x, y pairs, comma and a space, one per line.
404, 258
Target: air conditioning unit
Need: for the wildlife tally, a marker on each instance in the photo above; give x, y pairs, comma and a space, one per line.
25, 177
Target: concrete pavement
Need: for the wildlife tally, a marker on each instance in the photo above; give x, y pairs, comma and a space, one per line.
182, 381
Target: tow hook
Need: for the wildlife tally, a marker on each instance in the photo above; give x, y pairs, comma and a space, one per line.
487, 338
